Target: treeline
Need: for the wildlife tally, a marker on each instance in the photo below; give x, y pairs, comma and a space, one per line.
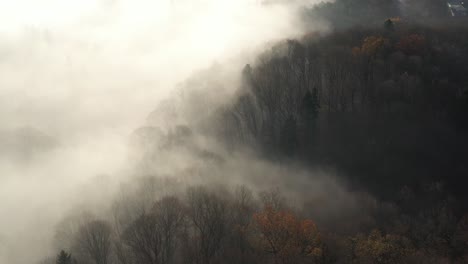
345, 14
388, 107
200, 225
212, 224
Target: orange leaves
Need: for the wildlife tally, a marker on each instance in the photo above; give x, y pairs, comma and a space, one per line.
412, 44
308, 237
373, 44
285, 236
370, 46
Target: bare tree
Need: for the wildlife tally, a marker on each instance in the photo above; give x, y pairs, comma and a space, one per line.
144, 239
68, 229
121, 216
94, 241
207, 213
242, 209
152, 237
169, 213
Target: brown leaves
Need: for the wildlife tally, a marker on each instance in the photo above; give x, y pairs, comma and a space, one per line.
412, 44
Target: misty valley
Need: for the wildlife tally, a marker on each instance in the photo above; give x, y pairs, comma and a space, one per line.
209, 132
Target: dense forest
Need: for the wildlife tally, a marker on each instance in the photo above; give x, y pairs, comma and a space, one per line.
381, 99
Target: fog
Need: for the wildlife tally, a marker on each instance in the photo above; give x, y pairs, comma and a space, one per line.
78, 77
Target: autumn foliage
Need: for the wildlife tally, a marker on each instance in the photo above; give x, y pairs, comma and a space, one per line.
380, 248
285, 236
370, 46
412, 44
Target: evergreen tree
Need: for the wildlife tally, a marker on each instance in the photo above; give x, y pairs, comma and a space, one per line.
310, 107
289, 136
64, 258
309, 115
247, 78
389, 26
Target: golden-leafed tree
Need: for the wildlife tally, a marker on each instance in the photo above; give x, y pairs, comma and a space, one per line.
370, 46
379, 248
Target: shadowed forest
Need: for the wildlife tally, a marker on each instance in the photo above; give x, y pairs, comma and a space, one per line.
348, 145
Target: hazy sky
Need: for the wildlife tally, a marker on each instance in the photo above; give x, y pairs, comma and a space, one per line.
87, 73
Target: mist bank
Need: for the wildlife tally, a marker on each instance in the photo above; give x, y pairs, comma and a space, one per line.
84, 76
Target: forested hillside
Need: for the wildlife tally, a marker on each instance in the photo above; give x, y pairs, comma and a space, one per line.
388, 106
